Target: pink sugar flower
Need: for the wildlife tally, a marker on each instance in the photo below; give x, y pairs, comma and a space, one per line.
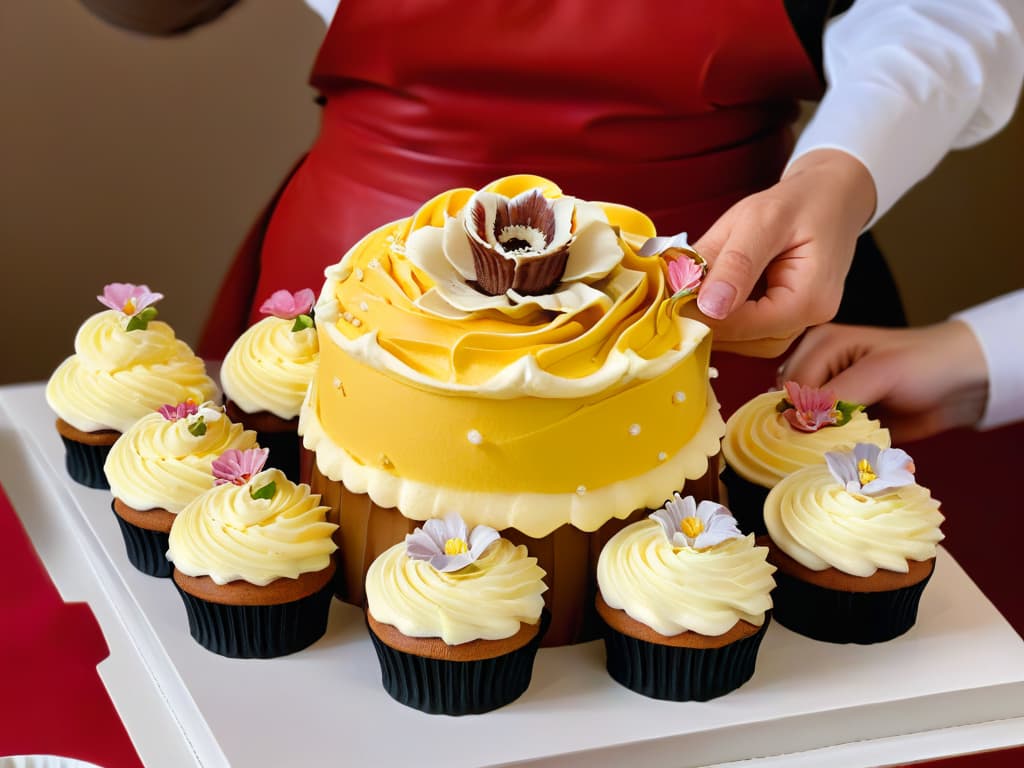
179, 411
238, 467
288, 306
128, 297
812, 408
684, 276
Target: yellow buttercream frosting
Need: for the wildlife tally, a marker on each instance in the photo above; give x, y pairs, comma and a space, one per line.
160, 464
228, 535
269, 367
558, 404
117, 376
679, 589
762, 447
816, 521
487, 600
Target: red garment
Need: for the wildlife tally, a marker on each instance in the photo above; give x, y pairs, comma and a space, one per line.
678, 108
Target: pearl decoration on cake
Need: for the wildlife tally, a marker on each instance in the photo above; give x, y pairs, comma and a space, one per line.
358, 273
679, 397
712, 372
634, 429
662, 456
475, 437
336, 382
364, 307
373, 263
356, 322
580, 490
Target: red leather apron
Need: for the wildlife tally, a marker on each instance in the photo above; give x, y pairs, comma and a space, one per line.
676, 107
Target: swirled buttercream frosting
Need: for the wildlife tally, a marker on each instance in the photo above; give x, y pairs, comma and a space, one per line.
762, 447
161, 464
118, 376
487, 600
675, 589
269, 367
588, 400
816, 521
228, 535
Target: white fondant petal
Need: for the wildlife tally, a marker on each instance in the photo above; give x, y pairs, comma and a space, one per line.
456, 248
424, 247
434, 303
593, 254
656, 245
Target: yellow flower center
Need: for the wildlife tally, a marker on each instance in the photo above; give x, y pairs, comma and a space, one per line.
691, 526
129, 307
455, 547
865, 471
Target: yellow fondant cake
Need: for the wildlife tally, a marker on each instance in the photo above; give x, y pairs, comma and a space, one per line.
528, 405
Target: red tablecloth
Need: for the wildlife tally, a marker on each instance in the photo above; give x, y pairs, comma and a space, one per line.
53, 701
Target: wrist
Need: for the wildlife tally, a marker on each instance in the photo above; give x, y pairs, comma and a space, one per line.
846, 177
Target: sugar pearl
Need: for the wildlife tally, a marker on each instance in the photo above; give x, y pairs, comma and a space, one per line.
634, 429
475, 437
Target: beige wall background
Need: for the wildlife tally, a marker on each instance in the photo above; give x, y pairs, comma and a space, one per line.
133, 159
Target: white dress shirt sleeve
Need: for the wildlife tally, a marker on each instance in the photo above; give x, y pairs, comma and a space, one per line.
908, 80
999, 327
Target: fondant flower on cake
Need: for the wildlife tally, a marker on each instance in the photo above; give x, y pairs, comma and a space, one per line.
514, 254
686, 268
239, 467
291, 306
134, 301
448, 544
870, 470
808, 409
197, 416
687, 524
179, 411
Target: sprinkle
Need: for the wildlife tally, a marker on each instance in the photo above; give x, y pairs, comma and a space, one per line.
712, 372
634, 429
662, 456
364, 307
348, 317
475, 437
580, 490
358, 273
356, 322
679, 397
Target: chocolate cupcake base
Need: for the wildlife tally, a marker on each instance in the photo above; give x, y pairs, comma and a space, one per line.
257, 630
746, 502
456, 687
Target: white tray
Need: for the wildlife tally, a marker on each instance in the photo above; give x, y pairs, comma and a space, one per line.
954, 683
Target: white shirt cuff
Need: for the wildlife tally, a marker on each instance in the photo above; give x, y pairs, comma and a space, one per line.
999, 327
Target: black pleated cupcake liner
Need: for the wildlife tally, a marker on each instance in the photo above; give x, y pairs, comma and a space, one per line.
257, 631
147, 550
834, 616
681, 674
85, 463
746, 502
445, 687
284, 452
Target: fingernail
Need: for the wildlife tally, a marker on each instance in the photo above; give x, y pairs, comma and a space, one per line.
715, 300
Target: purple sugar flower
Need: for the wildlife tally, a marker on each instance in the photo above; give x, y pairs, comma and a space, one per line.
687, 524
179, 411
870, 470
238, 467
447, 544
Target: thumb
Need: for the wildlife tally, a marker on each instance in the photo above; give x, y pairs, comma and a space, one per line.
737, 266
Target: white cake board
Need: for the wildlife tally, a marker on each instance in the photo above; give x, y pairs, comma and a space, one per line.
953, 684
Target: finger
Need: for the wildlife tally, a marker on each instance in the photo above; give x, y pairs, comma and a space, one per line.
773, 316
823, 352
767, 348
710, 243
867, 381
749, 248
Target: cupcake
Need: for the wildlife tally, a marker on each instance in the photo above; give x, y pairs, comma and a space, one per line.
455, 617
778, 433
684, 597
125, 366
854, 542
158, 466
267, 371
252, 561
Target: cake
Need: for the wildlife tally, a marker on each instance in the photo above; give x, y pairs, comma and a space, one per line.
267, 371
779, 432
252, 561
455, 617
126, 365
158, 466
553, 410
854, 541
685, 599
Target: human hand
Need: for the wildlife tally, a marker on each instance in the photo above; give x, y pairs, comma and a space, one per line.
919, 381
779, 257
